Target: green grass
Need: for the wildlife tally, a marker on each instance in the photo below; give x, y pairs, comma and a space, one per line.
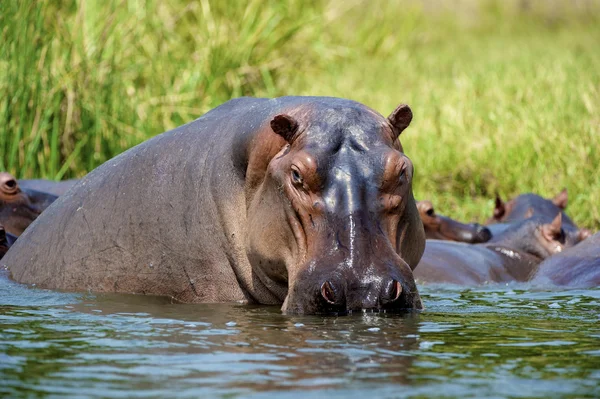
506, 94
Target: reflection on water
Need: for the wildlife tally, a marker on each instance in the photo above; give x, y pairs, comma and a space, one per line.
491, 342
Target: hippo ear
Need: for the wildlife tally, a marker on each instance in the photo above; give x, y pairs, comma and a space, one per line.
561, 199
400, 118
285, 126
552, 231
499, 208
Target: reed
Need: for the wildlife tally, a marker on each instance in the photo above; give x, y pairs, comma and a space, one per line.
506, 94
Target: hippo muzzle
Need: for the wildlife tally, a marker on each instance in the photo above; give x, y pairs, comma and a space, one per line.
357, 271
473, 233
343, 292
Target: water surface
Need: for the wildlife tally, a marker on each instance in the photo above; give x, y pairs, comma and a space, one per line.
492, 342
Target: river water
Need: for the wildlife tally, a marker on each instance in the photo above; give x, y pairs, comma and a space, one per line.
492, 342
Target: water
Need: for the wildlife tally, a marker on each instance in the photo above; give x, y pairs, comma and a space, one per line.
493, 342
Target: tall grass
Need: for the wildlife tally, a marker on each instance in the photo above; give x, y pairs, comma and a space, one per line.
506, 94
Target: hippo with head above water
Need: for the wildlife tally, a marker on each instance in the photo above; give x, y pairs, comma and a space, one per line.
440, 227
526, 205
511, 256
19, 206
300, 201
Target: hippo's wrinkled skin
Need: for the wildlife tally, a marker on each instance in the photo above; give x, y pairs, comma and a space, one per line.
19, 207
511, 256
440, 227
576, 267
57, 188
300, 201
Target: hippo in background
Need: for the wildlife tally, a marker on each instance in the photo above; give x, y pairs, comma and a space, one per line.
444, 228
576, 267
524, 205
6, 241
305, 202
19, 207
529, 204
511, 256
57, 188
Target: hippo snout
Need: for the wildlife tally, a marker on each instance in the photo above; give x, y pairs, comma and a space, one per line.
482, 234
336, 294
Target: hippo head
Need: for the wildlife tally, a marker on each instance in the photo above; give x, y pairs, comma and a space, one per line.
526, 205
19, 207
538, 235
519, 207
334, 223
444, 228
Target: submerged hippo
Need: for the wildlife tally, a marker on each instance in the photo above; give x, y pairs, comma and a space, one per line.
19, 207
576, 267
48, 186
511, 256
300, 201
6, 241
444, 228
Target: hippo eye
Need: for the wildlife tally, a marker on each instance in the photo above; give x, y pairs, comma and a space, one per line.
430, 212
402, 174
296, 176
560, 236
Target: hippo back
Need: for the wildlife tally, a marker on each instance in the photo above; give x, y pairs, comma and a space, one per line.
576, 267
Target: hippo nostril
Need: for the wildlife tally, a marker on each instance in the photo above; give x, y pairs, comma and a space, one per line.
396, 290
484, 234
392, 292
327, 292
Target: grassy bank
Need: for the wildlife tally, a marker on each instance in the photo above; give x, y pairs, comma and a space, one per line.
506, 94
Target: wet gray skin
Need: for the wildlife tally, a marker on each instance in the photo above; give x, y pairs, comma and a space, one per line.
511, 256
576, 267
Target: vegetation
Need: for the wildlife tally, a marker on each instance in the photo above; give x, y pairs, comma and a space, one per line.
506, 94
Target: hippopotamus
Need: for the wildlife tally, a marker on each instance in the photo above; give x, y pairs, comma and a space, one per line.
444, 228
18, 206
305, 202
56, 188
511, 256
6, 241
526, 205
576, 267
